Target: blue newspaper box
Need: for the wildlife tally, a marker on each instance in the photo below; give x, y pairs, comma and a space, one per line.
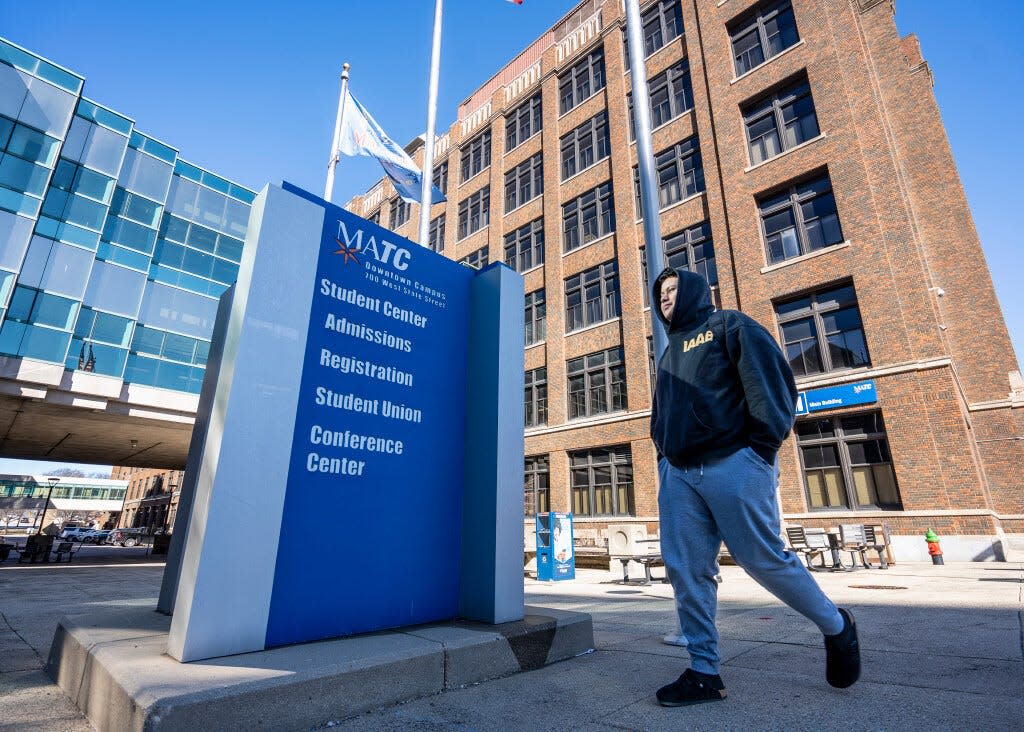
555, 558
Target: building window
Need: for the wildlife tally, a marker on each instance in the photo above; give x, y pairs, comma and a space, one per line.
671, 95
691, 249
597, 384
435, 236
400, 210
440, 177
770, 31
523, 123
585, 145
537, 486
680, 173
847, 463
536, 317
524, 182
581, 81
477, 259
823, 332
536, 397
602, 481
374, 217
780, 122
592, 296
800, 220
475, 212
476, 155
588, 217
524, 247
661, 23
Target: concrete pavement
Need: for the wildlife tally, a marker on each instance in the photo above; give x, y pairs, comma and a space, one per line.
942, 647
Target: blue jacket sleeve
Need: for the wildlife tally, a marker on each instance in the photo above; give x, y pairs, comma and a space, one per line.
768, 386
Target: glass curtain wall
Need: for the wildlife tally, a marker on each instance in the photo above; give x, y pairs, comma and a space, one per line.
113, 250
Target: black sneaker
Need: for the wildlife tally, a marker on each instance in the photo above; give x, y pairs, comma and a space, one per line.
692, 688
842, 654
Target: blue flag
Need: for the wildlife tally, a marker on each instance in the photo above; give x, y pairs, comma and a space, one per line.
361, 135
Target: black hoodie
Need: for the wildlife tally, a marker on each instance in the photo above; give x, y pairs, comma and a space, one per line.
723, 383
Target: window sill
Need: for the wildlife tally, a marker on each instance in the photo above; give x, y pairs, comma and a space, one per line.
609, 418
761, 65
593, 418
681, 38
474, 176
578, 173
524, 203
581, 102
598, 240
663, 125
593, 326
784, 153
471, 234
671, 206
523, 142
534, 345
534, 268
805, 257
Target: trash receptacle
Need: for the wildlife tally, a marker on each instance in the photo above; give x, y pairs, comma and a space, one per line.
555, 558
161, 543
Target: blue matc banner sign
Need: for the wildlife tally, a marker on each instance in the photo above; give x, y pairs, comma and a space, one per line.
835, 397
370, 536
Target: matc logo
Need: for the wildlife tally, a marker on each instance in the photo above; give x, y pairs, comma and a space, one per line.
383, 251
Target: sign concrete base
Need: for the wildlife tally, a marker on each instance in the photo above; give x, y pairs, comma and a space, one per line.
113, 665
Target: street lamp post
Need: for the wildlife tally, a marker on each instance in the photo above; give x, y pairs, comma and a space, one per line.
53, 481
170, 499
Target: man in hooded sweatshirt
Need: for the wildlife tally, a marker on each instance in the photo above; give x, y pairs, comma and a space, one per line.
725, 400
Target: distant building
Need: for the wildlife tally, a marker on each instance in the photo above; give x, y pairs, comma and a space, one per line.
80, 500
151, 500
804, 171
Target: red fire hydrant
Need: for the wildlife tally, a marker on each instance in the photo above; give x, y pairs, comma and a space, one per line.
934, 550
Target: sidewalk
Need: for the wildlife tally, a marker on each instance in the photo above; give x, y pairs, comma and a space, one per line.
942, 648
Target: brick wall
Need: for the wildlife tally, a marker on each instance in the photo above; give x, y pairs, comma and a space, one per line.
906, 224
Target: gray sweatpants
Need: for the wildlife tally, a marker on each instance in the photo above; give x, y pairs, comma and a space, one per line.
731, 500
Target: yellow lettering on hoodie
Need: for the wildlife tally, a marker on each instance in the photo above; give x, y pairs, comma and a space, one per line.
705, 337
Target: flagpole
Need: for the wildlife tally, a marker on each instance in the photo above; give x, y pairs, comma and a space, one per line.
426, 185
645, 159
333, 163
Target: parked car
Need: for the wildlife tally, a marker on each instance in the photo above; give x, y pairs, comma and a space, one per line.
126, 537
96, 536
72, 532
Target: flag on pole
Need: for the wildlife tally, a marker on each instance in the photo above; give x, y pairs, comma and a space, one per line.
361, 135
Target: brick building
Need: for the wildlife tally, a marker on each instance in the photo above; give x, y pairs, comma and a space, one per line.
803, 168
151, 501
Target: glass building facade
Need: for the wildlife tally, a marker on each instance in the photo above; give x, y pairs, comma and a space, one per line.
113, 250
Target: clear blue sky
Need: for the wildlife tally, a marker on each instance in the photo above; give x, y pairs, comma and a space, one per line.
250, 89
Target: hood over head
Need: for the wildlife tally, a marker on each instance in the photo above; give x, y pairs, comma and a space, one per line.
693, 299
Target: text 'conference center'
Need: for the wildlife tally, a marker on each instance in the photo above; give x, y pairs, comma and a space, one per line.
804, 170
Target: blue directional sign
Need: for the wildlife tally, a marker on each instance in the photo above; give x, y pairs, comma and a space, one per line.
357, 445
379, 434
834, 397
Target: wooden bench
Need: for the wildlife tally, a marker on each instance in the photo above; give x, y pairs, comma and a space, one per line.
65, 547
